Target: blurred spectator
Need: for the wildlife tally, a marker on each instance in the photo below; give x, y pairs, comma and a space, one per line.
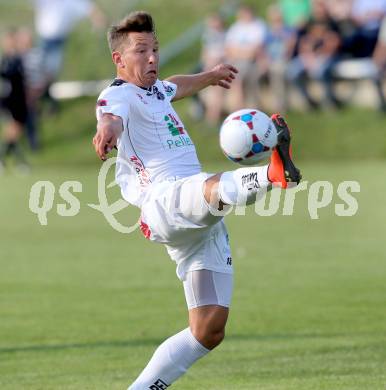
54, 21
379, 59
13, 100
35, 82
295, 12
318, 53
279, 45
243, 46
340, 11
213, 53
367, 16
380, 50
355, 44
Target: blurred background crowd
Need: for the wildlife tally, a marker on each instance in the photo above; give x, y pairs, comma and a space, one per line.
31, 62
301, 47
297, 42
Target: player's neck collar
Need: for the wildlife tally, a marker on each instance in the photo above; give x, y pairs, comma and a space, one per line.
117, 82
148, 89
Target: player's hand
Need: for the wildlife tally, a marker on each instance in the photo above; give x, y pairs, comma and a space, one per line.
109, 129
223, 75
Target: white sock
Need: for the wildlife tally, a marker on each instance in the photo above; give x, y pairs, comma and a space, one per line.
241, 186
170, 361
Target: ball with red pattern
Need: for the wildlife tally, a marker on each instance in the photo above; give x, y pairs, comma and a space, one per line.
248, 136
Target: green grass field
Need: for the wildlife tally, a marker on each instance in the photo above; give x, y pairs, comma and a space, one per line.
83, 307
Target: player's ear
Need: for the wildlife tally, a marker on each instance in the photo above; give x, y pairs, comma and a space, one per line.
117, 59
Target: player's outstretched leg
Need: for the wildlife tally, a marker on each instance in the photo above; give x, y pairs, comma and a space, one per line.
242, 186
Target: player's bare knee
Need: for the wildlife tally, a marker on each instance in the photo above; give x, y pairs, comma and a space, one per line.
209, 338
217, 338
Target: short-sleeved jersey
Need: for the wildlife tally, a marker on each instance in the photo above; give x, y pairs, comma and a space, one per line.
154, 145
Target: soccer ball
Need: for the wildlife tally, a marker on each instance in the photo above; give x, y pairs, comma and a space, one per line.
248, 136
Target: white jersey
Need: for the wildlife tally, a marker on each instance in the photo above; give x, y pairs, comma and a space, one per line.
154, 145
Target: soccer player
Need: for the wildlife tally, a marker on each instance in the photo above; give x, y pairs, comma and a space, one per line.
181, 207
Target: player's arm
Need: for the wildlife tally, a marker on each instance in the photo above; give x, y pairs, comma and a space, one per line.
109, 128
187, 85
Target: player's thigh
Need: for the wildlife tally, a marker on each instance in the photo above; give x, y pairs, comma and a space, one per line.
178, 214
198, 200
208, 295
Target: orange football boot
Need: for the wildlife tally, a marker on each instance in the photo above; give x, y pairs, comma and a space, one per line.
282, 170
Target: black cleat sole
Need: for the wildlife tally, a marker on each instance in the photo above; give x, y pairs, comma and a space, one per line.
291, 173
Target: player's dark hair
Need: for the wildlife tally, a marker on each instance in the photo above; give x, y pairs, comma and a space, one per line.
137, 21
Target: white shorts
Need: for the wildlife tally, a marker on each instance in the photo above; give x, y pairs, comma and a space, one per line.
208, 288
177, 215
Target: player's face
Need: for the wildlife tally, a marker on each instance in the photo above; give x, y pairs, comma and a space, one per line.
139, 59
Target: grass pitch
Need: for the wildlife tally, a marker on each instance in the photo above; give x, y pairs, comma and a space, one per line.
84, 307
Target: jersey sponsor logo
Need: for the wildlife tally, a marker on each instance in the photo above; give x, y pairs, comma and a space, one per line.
142, 174
179, 137
173, 125
158, 385
179, 142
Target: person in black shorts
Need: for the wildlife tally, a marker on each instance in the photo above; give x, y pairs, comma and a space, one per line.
13, 102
